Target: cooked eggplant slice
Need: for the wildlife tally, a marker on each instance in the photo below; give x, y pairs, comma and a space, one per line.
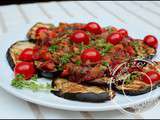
135, 88
14, 51
74, 91
133, 84
32, 32
104, 81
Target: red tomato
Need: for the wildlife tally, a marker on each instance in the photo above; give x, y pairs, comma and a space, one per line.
25, 68
130, 50
47, 56
123, 32
65, 73
52, 34
90, 54
151, 41
94, 28
151, 77
80, 36
26, 55
114, 38
41, 30
36, 54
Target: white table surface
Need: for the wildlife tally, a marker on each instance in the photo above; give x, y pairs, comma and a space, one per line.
145, 15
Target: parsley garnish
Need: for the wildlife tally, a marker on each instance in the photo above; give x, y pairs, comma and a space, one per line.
78, 62
135, 44
105, 63
53, 48
130, 79
20, 83
65, 58
106, 48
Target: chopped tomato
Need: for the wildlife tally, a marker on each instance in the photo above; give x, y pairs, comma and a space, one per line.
65, 73
130, 50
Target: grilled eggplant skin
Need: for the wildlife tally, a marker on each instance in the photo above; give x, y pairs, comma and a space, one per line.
47, 74
16, 47
135, 92
85, 96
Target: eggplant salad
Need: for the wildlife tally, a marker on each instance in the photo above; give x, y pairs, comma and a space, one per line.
80, 59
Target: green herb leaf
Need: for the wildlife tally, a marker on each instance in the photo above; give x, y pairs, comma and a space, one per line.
105, 63
19, 82
106, 48
34, 78
78, 62
65, 58
53, 48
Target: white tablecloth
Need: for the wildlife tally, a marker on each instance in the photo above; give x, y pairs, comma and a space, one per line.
144, 15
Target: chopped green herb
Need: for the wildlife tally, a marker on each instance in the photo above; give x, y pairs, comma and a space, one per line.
78, 62
110, 29
65, 58
136, 45
59, 68
53, 48
131, 77
105, 63
35, 77
19, 82
81, 46
17, 53
106, 48
36, 63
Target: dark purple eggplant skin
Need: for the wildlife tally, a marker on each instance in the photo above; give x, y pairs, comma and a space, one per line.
10, 60
9, 57
84, 97
137, 92
47, 74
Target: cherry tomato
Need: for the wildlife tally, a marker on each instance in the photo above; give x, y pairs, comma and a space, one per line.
151, 77
80, 36
114, 38
26, 55
90, 54
25, 68
41, 30
123, 32
94, 28
151, 41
